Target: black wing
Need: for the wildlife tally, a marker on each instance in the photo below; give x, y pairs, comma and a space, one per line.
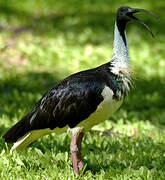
72, 101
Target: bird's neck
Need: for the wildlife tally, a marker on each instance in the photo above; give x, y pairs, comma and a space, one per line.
120, 59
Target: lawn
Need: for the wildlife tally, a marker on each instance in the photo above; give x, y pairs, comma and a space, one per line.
42, 42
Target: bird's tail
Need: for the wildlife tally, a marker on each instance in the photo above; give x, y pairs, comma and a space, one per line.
18, 130
25, 132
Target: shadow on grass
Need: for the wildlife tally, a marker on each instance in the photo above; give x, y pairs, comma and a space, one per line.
147, 99
22, 91
151, 93
59, 20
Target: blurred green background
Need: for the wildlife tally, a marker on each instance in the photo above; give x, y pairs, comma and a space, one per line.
42, 42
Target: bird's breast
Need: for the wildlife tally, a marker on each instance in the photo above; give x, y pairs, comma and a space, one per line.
104, 110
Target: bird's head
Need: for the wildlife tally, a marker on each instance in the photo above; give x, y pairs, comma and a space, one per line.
125, 14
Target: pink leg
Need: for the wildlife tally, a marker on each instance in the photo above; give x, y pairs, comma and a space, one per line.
75, 148
80, 162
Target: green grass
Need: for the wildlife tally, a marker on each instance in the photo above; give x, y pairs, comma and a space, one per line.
42, 42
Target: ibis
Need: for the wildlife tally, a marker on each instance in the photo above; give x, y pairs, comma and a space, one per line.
82, 100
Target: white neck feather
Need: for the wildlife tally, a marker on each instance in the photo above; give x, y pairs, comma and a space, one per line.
120, 59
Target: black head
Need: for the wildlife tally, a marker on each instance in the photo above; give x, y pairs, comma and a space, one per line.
125, 14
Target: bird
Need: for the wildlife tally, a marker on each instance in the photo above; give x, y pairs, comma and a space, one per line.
83, 99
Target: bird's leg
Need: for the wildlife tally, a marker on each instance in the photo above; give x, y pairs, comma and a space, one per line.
75, 148
79, 140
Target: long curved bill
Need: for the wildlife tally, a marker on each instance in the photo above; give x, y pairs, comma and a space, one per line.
139, 21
